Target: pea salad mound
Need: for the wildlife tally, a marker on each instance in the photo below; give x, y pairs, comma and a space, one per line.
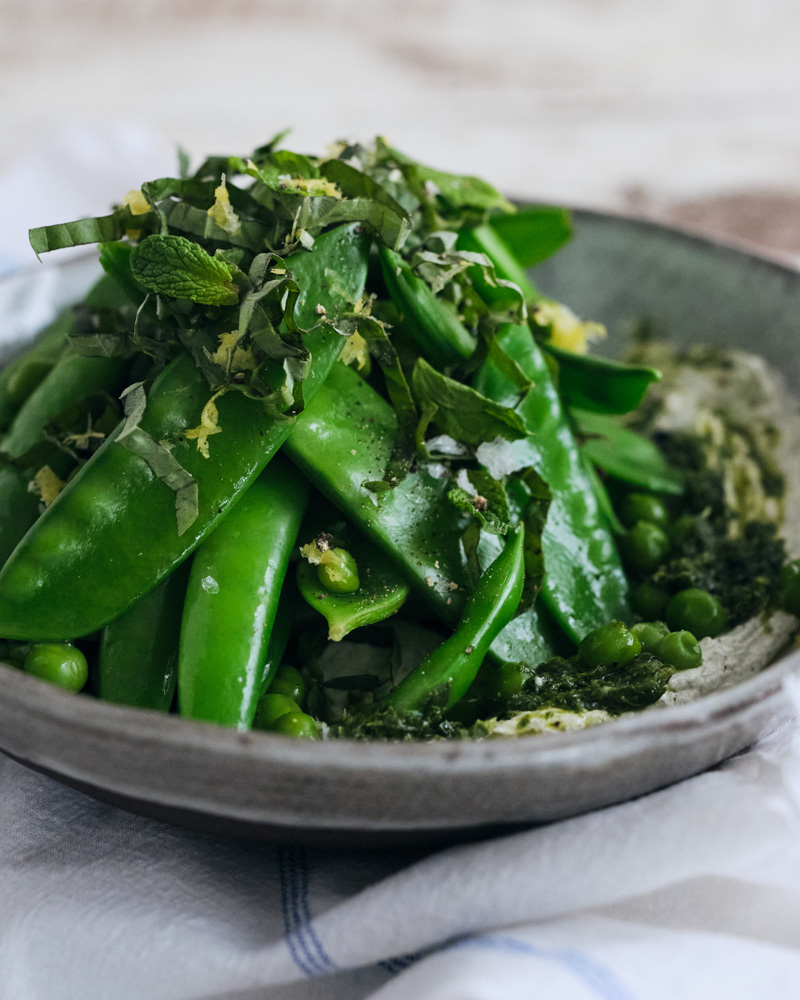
315, 456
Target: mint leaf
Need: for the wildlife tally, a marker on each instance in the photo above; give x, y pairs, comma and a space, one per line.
74, 234
173, 265
486, 501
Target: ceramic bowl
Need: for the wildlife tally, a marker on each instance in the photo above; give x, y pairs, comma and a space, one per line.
617, 270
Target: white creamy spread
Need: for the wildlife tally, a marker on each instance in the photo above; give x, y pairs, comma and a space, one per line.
749, 393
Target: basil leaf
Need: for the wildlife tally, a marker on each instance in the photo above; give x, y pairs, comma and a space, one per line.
174, 266
462, 412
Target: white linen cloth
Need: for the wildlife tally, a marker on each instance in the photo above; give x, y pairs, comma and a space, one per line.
690, 892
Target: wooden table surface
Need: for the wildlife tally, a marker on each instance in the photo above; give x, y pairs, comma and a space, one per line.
680, 110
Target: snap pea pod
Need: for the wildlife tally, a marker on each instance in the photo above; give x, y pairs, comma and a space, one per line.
585, 380
601, 384
232, 597
344, 438
111, 535
71, 381
441, 336
485, 239
584, 584
19, 378
382, 589
138, 661
533, 234
19, 508
487, 612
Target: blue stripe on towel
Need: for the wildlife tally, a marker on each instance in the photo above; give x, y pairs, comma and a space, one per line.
302, 940
593, 974
324, 957
288, 933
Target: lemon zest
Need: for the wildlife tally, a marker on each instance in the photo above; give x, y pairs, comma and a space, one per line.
355, 352
230, 356
222, 212
136, 202
209, 424
46, 484
567, 331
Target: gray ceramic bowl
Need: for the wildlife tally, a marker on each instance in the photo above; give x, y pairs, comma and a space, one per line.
616, 270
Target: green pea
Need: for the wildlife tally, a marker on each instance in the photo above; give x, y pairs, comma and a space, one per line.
613, 644
297, 724
649, 601
689, 534
789, 587
644, 547
680, 649
698, 611
649, 633
339, 573
643, 507
289, 682
59, 663
271, 707
502, 682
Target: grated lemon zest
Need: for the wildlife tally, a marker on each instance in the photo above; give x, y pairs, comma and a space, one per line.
222, 211
567, 331
46, 484
209, 424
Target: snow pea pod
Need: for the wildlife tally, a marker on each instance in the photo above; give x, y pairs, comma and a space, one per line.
584, 584
456, 662
382, 591
232, 597
138, 661
344, 438
111, 535
626, 455
599, 384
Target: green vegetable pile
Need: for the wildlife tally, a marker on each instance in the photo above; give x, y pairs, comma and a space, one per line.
315, 456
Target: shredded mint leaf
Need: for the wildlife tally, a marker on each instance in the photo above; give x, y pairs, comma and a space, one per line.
134, 402
460, 190
162, 462
168, 469
197, 222
74, 234
462, 412
173, 265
